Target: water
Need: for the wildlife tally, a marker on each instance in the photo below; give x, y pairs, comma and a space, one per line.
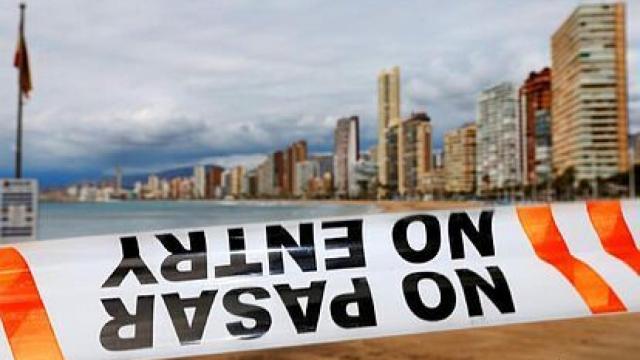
62, 220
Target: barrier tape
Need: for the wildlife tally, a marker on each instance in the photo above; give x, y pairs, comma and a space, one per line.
221, 289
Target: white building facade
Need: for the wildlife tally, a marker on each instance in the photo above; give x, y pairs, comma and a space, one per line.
497, 140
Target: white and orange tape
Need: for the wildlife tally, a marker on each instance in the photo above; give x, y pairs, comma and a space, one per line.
221, 289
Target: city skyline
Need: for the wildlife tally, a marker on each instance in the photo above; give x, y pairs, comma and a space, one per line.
156, 127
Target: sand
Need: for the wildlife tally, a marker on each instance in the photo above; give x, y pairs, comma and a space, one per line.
397, 206
605, 337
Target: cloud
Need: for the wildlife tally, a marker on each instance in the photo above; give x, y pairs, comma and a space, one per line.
150, 84
246, 160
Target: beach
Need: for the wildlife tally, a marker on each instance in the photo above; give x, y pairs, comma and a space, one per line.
604, 337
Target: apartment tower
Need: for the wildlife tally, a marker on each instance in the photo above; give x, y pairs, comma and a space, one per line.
589, 108
294, 154
346, 153
535, 112
498, 140
415, 152
388, 115
460, 159
214, 182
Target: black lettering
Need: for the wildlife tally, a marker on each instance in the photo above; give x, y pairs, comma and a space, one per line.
481, 238
432, 238
141, 321
412, 296
498, 293
231, 302
196, 256
304, 254
304, 321
362, 298
189, 334
238, 259
131, 261
353, 242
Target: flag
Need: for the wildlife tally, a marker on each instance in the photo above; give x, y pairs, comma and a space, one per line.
21, 62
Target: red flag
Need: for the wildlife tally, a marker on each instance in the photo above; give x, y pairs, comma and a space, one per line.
21, 62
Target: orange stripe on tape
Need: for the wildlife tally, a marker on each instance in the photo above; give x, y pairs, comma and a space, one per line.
607, 219
549, 245
22, 312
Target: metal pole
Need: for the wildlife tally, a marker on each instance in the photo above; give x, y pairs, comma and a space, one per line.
19, 136
19, 127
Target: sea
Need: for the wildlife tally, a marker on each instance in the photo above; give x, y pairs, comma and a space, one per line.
65, 220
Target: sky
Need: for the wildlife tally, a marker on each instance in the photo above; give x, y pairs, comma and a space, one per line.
152, 85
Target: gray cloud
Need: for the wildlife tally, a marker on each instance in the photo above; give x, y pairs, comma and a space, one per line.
148, 84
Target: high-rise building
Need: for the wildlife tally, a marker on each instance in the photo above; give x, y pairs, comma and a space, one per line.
589, 107
227, 183
306, 171
392, 164
388, 115
415, 153
299, 150
346, 152
174, 185
181, 188
199, 181
543, 154
118, 189
534, 105
165, 189
153, 190
325, 164
433, 182
250, 183
460, 159
237, 175
213, 188
295, 153
324, 183
498, 140
279, 173
266, 177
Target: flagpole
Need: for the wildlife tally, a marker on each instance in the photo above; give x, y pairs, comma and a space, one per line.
19, 127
